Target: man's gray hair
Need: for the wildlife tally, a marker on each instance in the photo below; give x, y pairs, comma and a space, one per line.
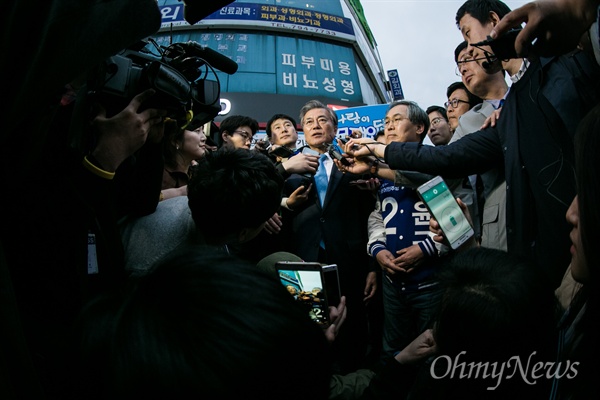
311, 105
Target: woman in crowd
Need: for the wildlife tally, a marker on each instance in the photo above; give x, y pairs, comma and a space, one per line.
181, 150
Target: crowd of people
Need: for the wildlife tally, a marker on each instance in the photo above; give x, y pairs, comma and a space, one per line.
138, 254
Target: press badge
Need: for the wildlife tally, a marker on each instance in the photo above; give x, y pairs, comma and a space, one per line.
92, 257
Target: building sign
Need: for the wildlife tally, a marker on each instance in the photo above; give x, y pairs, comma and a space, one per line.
395, 84
274, 64
283, 17
308, 68
367, 119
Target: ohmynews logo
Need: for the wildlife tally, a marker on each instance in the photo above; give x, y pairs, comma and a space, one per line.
530, 372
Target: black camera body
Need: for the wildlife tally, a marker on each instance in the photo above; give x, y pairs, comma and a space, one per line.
176, 76
503, 47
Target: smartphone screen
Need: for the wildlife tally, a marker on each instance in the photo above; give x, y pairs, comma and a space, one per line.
305, 282
445, 209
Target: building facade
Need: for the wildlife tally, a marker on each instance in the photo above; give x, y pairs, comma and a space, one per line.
287, 52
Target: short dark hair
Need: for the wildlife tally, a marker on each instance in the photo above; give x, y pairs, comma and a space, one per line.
494, 305
439, 109
461, 46
231, 123
480, 10
275, 118
473, 100
233, 189
202, 322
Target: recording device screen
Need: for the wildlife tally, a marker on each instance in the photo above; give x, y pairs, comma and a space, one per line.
443, 206
306, 282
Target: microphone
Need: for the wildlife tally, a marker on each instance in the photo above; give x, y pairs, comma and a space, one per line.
214, 58
486, 65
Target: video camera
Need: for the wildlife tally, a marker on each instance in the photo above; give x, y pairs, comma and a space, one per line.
178, 73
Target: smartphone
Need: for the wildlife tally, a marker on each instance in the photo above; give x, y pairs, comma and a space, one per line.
313, 286
331, 280
503, 47
442, 205
282, 151
358, 182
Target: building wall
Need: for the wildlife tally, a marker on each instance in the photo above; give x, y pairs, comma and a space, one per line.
287, 52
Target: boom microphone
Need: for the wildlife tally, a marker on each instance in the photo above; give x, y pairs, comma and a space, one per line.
214, 58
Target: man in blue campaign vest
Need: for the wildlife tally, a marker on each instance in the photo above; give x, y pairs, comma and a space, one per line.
400, 242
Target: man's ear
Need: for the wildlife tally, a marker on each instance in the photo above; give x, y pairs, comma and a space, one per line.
494, 18
421, 129
224, 136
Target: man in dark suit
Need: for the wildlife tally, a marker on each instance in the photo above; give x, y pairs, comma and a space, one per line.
333, 230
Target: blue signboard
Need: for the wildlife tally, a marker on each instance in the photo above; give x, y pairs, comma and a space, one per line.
309, 68
367, 119
308, 20
395, 84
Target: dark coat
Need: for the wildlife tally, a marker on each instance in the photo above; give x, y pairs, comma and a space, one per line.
534, 140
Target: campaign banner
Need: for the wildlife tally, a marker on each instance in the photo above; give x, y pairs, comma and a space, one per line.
367, 119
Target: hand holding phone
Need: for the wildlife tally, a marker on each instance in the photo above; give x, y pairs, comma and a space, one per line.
313, 286
442, 206
337, 315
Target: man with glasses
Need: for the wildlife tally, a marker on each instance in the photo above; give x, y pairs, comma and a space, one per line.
439, 130
404, 250
331, 228
460, 100
492, 88
237, 131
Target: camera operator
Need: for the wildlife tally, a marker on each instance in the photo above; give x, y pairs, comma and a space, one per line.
64, 248
47, 44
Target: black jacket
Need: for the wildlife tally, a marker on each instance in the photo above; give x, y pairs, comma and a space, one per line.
534, 140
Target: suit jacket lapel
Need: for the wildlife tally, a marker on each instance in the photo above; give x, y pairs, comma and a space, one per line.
334, 181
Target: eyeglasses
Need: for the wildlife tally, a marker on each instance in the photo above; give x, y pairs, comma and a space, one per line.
245, 135
436, 121
309, 123
454, 103
396, 120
